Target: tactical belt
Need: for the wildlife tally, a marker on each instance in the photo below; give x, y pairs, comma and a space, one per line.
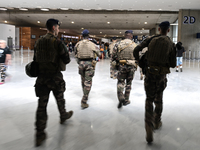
86, 59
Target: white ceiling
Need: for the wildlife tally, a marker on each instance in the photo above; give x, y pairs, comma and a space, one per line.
94, 14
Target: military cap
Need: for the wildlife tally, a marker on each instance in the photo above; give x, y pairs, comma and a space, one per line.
129, 31
85, 32
164, 24
114, 38
52, 22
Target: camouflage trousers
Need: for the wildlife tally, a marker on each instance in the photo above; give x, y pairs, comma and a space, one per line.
86, 70
154, 87
44, 85
3, 71
126, 73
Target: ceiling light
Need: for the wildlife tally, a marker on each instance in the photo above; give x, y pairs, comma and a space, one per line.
120, 32
174, 24
100, 32
44, 9
159, 9
142, 28
64, 31
82, 28
24, 9
140, 32
108, 22
64, 8
38, 21
72, 22
5, 21
3, 9
145, 22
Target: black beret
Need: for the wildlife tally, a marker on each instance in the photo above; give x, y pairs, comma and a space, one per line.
129, 31
52, 22
114, 38
164, 24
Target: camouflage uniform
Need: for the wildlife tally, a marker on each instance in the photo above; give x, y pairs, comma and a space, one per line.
86, 69
155, 82
125, 74
52, 56
113, 69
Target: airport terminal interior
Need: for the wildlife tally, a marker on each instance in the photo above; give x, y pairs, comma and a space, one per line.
102, 126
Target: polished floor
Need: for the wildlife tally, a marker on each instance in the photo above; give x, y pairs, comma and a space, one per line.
102, 126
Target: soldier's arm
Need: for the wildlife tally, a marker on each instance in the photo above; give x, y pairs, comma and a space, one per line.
114, 53
63, 52
140, 47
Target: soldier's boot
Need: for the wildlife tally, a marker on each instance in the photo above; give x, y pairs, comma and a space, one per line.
66, 116
149, 133
39, 138
157, 125
126, 102
120, 104
84, 105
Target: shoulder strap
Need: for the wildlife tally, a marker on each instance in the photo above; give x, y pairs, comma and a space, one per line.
125, 47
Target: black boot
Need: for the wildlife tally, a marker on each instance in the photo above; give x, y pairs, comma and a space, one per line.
39, 138
63, 118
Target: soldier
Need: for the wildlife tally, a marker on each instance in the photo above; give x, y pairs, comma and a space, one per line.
123, 55
113, 70
52, 57
5, 59
161, 55
86, 52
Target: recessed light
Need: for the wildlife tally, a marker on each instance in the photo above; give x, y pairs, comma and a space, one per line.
100, 32
64, 31
38, 21
120, 32
72, 22
82, 28
3, 9
108, 22
145, 22
44, 9
159, 9
24, 9
5, 21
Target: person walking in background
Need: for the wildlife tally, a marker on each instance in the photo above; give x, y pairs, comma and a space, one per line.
179, 58
52, 57
102, 50
161, 55
5, 59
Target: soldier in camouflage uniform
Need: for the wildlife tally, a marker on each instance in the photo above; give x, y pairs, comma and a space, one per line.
86, 53
161, 55
52, 57
113, 69
123, 55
